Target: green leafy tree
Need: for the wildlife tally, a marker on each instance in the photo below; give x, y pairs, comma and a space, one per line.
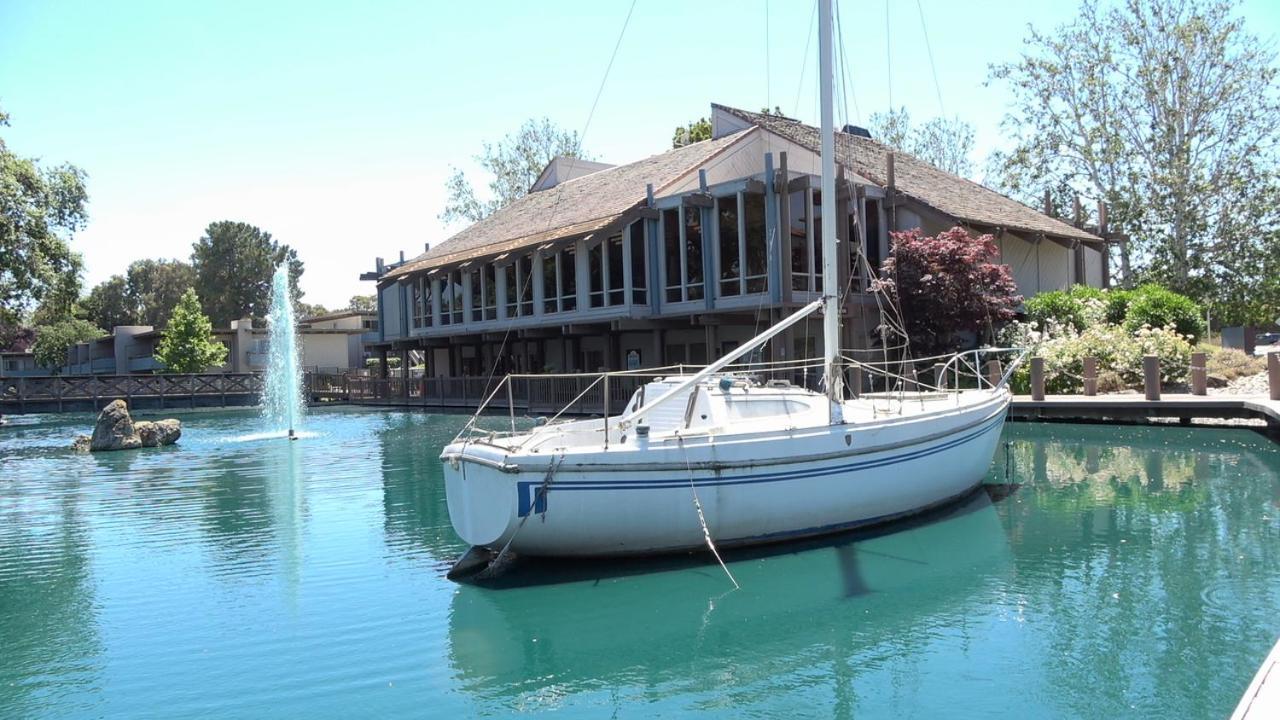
53, 341
945, 143
40, 209
107, 304
690, 133
188, 345
153, 288
513, 165
1167, 110
233, 264
363, 303
307, 310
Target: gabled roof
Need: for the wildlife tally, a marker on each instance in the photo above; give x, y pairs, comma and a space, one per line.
951, 195
574, 207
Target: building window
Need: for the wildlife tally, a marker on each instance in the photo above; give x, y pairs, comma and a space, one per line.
730, 253
446, 299
550, 278
421, 303
596, 270
638, 270
673, 259
873, 235
755, 243
615, 287
798, 212
694, 287
511, 292
415, 297
477, 292
817, 241
567, 281
524, 284
489, 291
455, 296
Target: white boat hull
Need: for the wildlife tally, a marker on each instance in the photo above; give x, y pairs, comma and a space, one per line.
753, 487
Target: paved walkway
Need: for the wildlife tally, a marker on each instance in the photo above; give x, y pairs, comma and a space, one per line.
1262, 700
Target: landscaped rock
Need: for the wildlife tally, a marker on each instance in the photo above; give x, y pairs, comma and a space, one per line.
115, 430
160, 432
81, 443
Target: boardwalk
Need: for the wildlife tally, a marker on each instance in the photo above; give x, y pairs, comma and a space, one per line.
1134, 407
89, 393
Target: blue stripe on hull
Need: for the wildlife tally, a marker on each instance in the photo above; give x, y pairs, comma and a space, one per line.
531, 500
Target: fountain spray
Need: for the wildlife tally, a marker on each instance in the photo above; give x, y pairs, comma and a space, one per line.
282, 391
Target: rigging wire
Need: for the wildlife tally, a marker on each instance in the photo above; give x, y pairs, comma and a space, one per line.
934, 68
804, 62
888, 53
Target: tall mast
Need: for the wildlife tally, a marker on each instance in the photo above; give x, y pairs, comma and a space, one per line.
830, 275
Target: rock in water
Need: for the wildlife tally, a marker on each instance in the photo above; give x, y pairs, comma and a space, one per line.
114, 430
81, 443
160, 432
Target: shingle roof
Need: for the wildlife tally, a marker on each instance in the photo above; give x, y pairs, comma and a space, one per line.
950, 194
574, 207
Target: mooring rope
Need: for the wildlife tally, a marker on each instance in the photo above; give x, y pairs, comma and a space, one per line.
541, 493
697, 504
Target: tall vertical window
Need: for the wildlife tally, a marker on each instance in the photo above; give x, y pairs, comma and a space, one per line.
694, 287
524, 284
672, 257
638, 275
873, 234
755, 243
550, 290
615, 287
478, 297
416, 298
456, 290
730, 256
568, 268
798, 207
595, 270
446, 299
489, 291
817, 242
512, 291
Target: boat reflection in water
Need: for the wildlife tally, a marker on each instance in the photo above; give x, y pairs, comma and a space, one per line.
563, 628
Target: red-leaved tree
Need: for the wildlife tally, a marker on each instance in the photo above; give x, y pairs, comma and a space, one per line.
948, 287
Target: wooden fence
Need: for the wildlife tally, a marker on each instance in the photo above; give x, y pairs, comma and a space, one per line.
66, 393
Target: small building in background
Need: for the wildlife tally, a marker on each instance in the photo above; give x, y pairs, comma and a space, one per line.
18, 364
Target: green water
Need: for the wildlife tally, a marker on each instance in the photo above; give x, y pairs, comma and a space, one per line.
1134, 572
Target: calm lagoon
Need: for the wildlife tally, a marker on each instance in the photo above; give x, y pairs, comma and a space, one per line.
1102, 572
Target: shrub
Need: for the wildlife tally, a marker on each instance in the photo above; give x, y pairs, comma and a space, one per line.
1118, 305
1056, 306
1230, 364
1156, 307
948, 286
1119, 353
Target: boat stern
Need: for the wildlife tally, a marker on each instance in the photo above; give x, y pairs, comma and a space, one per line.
481, 496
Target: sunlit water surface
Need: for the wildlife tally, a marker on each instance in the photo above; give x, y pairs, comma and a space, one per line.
1132, 573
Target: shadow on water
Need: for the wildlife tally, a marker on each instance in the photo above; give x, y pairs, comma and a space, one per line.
526, 571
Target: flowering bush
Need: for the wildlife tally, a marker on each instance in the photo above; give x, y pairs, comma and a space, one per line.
948, 286
1118, 350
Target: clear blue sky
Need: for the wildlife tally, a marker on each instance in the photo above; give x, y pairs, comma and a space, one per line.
333, 125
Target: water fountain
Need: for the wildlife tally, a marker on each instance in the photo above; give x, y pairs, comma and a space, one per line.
282, 406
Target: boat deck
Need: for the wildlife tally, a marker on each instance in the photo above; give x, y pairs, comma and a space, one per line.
1262, 699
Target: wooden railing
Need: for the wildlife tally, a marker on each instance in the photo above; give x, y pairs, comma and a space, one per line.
71, 392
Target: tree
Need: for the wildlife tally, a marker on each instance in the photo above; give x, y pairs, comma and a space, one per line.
690, 133
514, 163
188, 345
233, 264
40, 208
1167, 111
363, 303
945, 143
947, 286
53, 341
107, 304
307, 310
154, 288
15, 337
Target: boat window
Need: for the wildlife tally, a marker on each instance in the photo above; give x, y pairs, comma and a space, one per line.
730, 260
749, 407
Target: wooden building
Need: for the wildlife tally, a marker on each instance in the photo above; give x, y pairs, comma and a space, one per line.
680, 257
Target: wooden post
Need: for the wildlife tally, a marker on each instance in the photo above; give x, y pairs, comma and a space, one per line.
856, 384
1091, 376
1037, 378
1273, 374
994, 371
889, 170
1151, 376
1199, 374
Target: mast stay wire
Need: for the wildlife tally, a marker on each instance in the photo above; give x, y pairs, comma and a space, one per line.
942, 108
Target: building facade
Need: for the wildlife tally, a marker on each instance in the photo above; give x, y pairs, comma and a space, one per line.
683, 256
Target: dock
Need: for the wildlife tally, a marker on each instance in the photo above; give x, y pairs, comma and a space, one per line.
1136, 408
1262, 699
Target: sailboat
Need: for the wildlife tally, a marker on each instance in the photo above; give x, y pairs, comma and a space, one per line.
724, 458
